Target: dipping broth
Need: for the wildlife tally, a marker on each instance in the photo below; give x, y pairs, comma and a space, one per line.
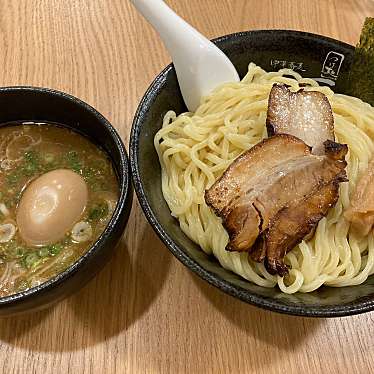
57, 194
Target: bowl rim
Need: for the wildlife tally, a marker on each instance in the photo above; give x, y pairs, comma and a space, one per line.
122, 204
212, 278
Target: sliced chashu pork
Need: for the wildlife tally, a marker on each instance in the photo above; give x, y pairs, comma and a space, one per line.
334, 151
291, 224
361, 210
284, 184
252, 164
304, 114
247, 201
249, 204
238, 180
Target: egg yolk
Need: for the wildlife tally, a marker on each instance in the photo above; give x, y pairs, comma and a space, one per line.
50, 206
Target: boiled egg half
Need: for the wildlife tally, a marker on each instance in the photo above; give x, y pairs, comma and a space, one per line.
50, 206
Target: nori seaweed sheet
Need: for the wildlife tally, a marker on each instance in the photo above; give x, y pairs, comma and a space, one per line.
361, 75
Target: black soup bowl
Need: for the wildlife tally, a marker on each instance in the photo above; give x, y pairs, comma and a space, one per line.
45, 105
314, 56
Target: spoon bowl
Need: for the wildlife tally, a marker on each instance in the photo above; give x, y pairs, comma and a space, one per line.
200, 65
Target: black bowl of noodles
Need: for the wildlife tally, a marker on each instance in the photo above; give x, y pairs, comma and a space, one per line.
61, 122
311, 290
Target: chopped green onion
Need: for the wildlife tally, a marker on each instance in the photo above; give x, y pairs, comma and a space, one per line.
13, 178
98, 211
13, 251
30, 260
55, 249
43, 252
29, 167
73, 161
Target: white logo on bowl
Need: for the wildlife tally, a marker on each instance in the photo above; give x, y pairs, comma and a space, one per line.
283, 64
331, 66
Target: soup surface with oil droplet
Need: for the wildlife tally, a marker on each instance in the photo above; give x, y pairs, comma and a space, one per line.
57, 194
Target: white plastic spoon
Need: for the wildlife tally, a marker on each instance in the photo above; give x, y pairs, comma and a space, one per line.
200, 65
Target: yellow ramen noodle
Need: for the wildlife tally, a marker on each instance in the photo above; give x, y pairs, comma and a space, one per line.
194, 149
